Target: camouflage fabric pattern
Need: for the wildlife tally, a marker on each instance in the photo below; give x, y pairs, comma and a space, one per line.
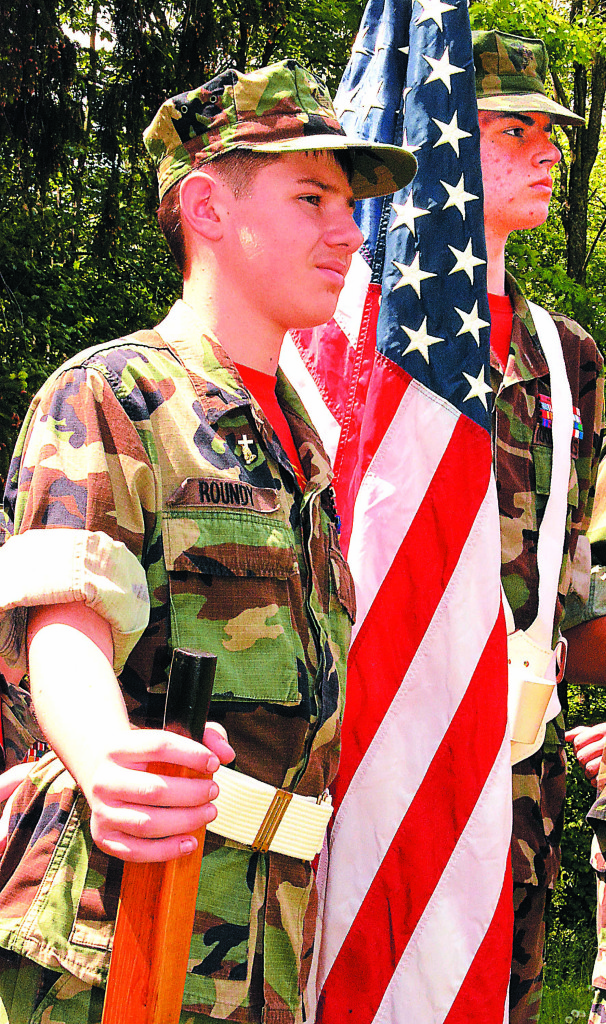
30, 994
282, 108
597, 1013
19, 726
511, 72
237, 560
526, 984
599, 865
507, 63
522, 457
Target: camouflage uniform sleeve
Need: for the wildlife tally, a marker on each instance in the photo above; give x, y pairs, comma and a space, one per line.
79, 470
72, 565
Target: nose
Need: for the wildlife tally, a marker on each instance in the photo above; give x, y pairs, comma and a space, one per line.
549, 154
345, 233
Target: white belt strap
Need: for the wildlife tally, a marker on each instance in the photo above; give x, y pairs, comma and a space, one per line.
553, 527
266, 818
552, 531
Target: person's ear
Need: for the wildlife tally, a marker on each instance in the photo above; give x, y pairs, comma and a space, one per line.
200, 205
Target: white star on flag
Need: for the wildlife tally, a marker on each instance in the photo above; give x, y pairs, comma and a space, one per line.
412, 275
406, 214
457, 196
433, 9
372, 99
478, 388
443, 70
357, 46
472, 323
420, 341
380, 43
465, 260
348, 107
451, 133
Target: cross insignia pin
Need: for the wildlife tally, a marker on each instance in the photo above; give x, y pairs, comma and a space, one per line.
245, 443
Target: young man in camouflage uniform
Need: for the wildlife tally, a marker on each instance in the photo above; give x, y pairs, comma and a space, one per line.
517, 153
149, 480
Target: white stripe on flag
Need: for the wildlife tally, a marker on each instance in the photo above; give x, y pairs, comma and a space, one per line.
349, 311
413, 728
468, 890
302, 381
394, 487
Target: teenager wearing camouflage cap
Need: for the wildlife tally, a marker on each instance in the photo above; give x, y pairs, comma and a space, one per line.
191, 505
529, 378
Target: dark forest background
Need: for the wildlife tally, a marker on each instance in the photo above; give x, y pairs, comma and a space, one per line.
81, 259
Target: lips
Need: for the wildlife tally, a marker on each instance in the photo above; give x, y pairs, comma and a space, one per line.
338, 266
545, 184
334, 270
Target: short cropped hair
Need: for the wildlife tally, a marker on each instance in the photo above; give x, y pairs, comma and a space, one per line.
239, 170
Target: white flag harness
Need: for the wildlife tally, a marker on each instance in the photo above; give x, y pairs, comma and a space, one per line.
533, 663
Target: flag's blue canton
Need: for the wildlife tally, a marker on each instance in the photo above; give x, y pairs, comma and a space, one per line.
426, 243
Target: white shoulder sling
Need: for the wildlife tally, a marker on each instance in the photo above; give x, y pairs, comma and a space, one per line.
533, 664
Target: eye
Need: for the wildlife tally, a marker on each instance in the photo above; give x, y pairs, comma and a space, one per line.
314, 199
517, 131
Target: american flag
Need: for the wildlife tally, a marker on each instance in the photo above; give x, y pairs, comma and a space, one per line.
417, 913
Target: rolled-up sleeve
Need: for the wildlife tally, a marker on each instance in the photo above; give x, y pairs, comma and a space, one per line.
81, 502
44, 567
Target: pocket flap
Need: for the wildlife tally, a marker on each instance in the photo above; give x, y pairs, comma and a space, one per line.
222, 543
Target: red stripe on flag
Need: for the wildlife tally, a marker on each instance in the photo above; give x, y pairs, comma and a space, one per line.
330, 358
440, 529
414, 863
482, 995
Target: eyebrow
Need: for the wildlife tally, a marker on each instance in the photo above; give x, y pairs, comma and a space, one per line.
524, 118
322, 185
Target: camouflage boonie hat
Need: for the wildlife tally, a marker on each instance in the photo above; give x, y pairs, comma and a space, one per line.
282, 108
510, 76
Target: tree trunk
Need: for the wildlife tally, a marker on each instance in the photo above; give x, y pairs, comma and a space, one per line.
584, 150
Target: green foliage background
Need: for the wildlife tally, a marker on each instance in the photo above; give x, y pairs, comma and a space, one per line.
81, 259
571, 937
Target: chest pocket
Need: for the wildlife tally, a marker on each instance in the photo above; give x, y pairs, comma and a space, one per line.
542, 458
231, 576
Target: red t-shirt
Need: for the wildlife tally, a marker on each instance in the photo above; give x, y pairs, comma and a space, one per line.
501, 322
262, 387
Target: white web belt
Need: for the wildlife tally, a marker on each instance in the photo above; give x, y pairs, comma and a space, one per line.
265, 818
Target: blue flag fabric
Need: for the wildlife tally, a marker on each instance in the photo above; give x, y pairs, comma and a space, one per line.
410, 81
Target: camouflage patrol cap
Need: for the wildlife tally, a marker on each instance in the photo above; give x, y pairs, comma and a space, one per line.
510, 76
282, 108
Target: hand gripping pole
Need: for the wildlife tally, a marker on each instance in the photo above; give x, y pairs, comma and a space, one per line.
158, 901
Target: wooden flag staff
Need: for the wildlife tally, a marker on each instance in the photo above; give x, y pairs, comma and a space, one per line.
158, 901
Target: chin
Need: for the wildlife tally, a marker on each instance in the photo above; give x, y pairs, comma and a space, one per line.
537, 216
316, 318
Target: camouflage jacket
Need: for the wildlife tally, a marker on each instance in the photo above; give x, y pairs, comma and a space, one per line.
153, 440
522, 458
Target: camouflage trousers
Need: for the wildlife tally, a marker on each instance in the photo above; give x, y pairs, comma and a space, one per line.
526, 985
597, 1014
30, 994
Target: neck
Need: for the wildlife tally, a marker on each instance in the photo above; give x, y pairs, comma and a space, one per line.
495, 262
247, 337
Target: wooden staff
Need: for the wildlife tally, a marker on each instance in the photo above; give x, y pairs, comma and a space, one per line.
158, 901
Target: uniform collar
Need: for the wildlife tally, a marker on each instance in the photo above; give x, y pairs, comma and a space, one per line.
526, 358
205, 360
